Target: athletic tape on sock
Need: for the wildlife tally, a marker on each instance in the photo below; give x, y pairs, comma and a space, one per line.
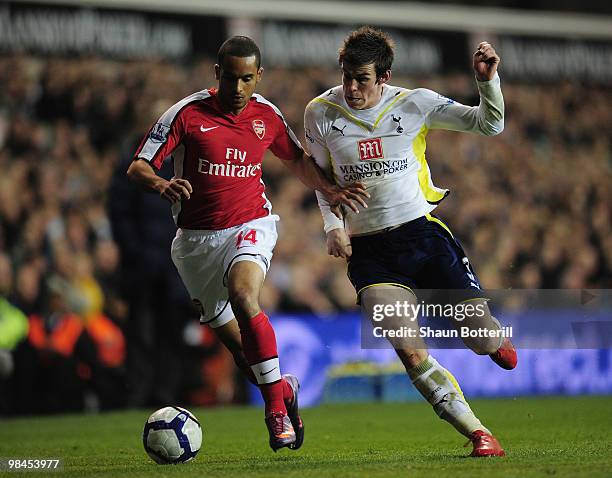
440, 388
432, 382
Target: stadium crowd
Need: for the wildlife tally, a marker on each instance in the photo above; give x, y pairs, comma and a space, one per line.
532, 208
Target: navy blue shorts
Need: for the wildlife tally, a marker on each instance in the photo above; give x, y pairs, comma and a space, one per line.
421, 254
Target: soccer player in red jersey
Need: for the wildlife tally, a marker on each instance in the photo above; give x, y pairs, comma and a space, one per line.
226, 229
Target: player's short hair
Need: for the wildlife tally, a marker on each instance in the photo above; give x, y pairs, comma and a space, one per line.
239, 46
368, 45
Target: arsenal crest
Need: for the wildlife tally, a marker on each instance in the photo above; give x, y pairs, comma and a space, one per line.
260, 128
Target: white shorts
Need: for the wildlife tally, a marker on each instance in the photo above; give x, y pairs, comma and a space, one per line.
204, 259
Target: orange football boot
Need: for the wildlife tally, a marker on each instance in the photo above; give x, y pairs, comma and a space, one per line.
505, 356
485, 444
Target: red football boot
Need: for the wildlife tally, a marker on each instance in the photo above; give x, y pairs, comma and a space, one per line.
485, 444
505, 356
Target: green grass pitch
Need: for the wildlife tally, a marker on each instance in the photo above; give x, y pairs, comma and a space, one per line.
554, 437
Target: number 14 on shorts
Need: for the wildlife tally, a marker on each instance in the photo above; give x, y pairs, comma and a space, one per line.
250, 236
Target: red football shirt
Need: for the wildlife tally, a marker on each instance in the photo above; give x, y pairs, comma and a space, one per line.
220, 154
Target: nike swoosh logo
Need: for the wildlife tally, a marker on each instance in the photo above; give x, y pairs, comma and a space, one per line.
266, 373
204, 130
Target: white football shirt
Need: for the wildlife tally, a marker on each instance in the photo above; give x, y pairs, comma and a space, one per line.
384, 147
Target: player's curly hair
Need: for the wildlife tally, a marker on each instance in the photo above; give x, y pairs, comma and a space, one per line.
368, 45
240, 46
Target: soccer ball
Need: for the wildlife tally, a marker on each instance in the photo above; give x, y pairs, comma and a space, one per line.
172, 435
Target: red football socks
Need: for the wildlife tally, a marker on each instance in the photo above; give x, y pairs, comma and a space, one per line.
259, 345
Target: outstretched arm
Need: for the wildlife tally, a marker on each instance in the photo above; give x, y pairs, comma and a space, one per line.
305, 168
330, 198
488, 117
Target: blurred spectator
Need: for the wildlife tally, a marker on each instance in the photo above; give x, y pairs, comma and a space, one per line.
108, 275
13, 330
158, 304
69, 362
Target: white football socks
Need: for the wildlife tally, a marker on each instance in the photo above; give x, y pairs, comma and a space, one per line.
442, 391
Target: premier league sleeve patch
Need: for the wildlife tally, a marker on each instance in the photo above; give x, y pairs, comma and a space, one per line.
444, 98
159, 133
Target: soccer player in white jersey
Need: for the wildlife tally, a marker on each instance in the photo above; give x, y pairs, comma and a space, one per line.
226, 229
368, 130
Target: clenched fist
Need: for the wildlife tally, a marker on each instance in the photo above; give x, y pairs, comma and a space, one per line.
486, 61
